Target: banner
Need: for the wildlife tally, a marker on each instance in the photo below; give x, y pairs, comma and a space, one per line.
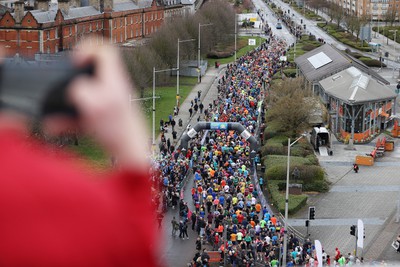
318, 250
360, 234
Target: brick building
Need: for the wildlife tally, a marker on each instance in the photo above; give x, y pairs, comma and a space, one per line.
51, 28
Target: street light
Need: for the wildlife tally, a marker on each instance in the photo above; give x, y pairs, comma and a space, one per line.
287, 200
154, 106
394, 44
235, 35
198, 52
177, 70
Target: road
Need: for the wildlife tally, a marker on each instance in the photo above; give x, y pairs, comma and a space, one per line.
176, 252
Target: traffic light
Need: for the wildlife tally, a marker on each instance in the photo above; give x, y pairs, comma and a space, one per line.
311, 213
353, 230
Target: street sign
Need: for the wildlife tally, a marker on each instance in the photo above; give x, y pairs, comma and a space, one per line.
252, 41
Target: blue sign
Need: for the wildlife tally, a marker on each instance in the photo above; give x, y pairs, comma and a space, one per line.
219, 126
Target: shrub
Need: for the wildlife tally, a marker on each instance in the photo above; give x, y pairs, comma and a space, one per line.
308, 172
291, 73
308, 47
370, 62
317, 186
219, 54
269, 132
278, 140
296, 202
273, 150
277, 75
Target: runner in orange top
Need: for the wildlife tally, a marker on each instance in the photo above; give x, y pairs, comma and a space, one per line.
273, 220
258, 208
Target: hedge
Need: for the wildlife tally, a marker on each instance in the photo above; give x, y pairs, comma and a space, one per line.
370, 62
316, 186
269, 132
308, 173
296, 202
291, 73
280, 160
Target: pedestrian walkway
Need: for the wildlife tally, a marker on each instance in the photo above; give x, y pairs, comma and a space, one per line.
206, 84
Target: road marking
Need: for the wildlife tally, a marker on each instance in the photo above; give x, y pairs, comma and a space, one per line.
337, 221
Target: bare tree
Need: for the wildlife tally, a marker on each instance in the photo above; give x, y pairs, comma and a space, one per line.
317, 5
352, 24
140, 62
390, 15
337, 13
289, 112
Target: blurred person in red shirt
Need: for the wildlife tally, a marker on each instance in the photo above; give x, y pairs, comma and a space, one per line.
53, 211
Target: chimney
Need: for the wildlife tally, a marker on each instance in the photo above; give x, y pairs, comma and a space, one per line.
108, 5
95, 4
19, 8
63, 5
42, 5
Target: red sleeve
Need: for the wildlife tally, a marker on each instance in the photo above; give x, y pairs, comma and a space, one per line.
55, 214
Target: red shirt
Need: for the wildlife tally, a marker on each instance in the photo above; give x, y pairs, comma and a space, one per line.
54, 213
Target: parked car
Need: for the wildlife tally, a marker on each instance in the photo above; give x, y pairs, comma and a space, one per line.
279, 26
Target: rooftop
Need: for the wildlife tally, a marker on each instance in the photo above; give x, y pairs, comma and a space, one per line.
354, 86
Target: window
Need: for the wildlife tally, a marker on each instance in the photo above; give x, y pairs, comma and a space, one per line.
90, 27
70, 30
56, 34
48, 35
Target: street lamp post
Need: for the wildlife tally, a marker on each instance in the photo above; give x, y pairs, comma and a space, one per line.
394, 44
235, 35
198, 51
154, 106
177, 70
287, 201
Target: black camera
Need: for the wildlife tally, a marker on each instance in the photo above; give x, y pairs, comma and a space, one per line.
38, 90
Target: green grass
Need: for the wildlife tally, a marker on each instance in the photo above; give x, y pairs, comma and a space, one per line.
242, 51
165, 104
296, 202
89, 150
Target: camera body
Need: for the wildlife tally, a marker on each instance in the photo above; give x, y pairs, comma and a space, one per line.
39, 90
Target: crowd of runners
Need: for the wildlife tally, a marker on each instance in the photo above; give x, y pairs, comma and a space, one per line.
227, 214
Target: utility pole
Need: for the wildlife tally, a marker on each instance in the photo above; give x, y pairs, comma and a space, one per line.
198, 51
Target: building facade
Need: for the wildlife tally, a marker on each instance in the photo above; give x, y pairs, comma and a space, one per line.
378, 9
53, 29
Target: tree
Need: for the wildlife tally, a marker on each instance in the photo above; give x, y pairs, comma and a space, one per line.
289, 112
316, 4
337, 13
140, 62
390, 15
352, 24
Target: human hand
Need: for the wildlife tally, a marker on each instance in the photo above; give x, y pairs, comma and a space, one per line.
104, 106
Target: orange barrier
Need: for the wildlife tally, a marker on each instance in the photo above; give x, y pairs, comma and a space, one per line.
364, 160
215, 256
389, 146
